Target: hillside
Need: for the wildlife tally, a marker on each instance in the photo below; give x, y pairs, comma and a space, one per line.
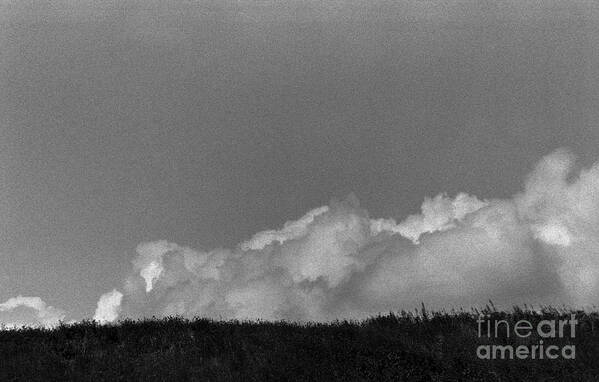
406, 346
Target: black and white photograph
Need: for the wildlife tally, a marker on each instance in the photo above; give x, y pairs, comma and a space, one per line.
299, 190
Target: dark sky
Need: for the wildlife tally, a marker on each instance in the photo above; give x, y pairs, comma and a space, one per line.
203, 122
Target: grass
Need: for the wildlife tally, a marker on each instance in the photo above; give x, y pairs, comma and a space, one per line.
394, 347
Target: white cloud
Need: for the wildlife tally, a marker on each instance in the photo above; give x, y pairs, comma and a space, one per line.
438, 214
108, 306
42, 314
290, 230
539, 246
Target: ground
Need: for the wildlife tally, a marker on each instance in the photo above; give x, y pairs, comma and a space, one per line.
416, 346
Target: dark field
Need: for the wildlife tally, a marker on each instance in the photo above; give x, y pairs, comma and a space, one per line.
395, 347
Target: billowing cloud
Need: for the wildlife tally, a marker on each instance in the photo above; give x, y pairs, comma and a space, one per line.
38, 313
540, 246
109, 306
290, 230
438, 214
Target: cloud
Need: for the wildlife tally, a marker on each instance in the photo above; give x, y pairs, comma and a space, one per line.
43, 315
438, 214
108, 306
540, 246
290, 230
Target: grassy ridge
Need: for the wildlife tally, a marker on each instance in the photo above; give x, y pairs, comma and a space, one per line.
410, 347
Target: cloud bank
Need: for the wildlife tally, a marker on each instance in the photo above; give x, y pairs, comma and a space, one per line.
540, 246
38, 313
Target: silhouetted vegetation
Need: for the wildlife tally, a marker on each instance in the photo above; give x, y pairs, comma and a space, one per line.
395, 347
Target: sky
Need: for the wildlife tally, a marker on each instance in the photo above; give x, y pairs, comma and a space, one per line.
134, 130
